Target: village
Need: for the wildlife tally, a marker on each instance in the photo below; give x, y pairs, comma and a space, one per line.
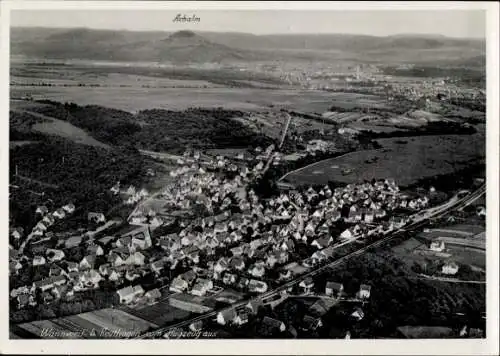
206, 233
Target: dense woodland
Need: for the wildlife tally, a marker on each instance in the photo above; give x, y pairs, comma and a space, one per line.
66, 172
157, 129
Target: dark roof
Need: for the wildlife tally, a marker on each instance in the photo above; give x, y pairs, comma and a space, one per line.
274, 323
48, 281
334, 285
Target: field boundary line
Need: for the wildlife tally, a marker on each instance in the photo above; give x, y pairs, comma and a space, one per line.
323, 160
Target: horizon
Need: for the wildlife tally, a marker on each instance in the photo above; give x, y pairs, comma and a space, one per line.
465, 24
409, 34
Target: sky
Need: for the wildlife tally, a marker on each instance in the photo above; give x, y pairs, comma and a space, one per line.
452, 23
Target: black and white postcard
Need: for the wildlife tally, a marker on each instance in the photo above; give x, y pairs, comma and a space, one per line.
250, 177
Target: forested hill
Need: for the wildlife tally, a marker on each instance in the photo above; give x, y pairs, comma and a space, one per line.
159, 130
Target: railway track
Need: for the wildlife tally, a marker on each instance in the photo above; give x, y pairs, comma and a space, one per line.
412, 226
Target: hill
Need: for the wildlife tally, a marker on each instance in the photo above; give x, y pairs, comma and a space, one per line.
188, 46
182, 46
155, 130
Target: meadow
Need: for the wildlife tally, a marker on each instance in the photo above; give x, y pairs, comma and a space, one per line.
104, 323
407, 161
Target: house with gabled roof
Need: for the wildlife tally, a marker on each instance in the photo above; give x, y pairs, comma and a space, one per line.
90, 279
117, 258
39, 261
178, 285
17, 233
358, 314
72, 266
226, 316
14, 267
41, 226
87, 262
237, 251
257, 270
229, 278
221, 265
105, 269
241, 317
48, 220
202, 286
257, 286
94, 249
136, 259
322, 242
56, 270
237, 263
306, 285
334, 289
42, 210
128, 294
364, 291
59, 214
69, 208
49, 283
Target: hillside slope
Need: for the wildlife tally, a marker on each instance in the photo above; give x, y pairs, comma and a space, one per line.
188, 46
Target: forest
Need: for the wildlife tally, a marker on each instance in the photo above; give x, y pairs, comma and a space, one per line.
65, 172
158, 129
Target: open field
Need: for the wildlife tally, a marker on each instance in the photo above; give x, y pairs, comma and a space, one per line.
67, 130
420, 157
51, 126
107, 323
116, 319
137, 98
160, 313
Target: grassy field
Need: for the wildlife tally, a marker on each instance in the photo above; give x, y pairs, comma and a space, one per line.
48, 125
161, 313
137, 98
420, 157
66, 130
105, 323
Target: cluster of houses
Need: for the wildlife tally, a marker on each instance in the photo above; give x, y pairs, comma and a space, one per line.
118, 259
314, 146
276, 226
312, 319
49, 218
239, 240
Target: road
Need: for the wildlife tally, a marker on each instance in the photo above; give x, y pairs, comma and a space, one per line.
437, 213
446, 279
